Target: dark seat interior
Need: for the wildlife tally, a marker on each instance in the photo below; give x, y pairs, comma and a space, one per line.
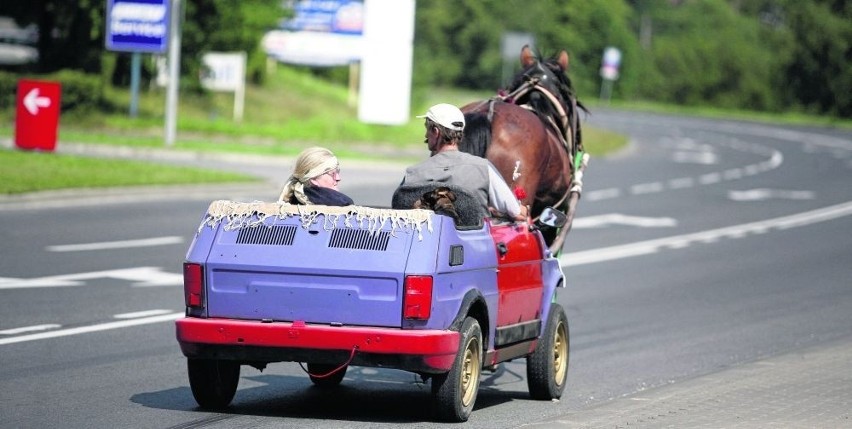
469, 209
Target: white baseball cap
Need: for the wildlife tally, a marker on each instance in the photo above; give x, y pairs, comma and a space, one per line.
446, 115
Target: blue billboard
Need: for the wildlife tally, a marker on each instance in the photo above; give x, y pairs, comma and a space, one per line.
138, 25
327, 16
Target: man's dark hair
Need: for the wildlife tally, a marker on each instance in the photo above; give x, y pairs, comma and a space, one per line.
446, 134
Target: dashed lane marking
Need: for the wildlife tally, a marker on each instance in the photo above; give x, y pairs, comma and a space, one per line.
34, 328
123, 244
139, 314
710, 236
773, 160
142, 276
92, 328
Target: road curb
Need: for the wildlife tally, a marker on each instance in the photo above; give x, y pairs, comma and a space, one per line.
120, 195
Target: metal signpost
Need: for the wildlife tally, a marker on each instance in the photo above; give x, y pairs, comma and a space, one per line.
226, 71
141, 26
609, 71
510, 49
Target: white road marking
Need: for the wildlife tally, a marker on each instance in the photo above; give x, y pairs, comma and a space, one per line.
710, 178
92, 328
35, 328
124, 244
710, 236
732, 174
765, 194
646, 188
600, 221
751, 170
143, 276
681, 183
703, 158
602, 194
138, 314
775, 159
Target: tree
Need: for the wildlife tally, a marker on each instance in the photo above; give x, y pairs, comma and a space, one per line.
457, 42
226, 25
818, 72
70, 33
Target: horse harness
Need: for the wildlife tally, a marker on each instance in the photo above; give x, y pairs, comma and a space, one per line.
566, 136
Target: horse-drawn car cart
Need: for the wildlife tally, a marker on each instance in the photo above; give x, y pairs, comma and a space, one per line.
334, 287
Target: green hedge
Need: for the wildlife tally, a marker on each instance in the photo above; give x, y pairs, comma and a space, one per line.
80, 91
8, 90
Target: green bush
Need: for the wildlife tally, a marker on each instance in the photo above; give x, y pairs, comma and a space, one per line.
81, 92
8, 90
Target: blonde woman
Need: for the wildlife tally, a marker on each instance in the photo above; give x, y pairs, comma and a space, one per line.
314, 180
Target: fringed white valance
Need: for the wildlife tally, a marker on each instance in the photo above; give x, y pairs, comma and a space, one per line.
238, 215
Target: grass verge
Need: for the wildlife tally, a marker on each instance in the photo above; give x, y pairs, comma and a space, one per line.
22, 171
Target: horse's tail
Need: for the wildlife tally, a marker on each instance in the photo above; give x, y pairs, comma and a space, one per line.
477, 134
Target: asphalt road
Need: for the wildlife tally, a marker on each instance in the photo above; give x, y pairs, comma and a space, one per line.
704, 246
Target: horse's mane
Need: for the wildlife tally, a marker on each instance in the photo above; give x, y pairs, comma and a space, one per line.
477, 134
565, 87
540, 104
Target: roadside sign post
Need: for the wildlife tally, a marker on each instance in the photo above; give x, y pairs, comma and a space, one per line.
226, 71
609, 71
510, 47
139, 26
37, 114
174, 73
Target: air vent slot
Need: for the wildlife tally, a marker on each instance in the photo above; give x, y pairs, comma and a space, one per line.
275, 235
345, 238
456, 255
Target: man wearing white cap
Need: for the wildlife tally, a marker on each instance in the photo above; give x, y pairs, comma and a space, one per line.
448, 165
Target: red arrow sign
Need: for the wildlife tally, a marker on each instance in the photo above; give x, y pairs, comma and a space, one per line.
37, 115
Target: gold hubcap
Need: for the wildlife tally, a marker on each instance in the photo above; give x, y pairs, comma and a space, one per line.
560, 354
470, 371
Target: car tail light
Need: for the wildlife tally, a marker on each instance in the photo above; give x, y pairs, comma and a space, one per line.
417, 300
193, 284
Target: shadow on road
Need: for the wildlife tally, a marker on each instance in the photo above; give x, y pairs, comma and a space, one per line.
366, 395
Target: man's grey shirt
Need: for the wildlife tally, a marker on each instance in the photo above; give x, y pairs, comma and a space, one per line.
469, 172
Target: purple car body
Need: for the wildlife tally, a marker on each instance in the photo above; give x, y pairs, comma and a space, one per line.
335, 287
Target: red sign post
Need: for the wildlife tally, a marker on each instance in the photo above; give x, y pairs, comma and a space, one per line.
37, 114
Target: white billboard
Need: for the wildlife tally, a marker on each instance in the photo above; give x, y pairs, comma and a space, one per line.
226, 71
386, 62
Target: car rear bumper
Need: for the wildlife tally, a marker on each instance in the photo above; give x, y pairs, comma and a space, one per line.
428, 351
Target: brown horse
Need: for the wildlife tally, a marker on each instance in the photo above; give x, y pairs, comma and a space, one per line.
532, 136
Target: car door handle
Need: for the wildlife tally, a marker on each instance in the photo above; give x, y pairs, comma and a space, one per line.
502, 249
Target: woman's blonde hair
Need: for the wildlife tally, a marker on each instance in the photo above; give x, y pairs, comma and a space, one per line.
311, 163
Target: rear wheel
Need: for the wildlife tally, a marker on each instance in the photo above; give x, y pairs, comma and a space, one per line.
316, 370
213, 381
547, 367
454, 393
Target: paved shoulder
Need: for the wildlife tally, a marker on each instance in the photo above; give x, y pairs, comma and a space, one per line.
805, 389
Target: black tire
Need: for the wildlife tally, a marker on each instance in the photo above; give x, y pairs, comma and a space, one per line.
454, 393
213, 381
332, 380
547, 367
